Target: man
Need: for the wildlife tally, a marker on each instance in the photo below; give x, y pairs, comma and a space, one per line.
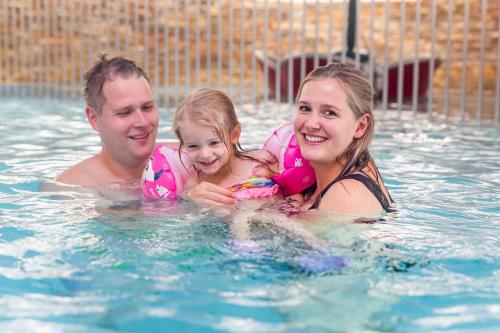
121, 109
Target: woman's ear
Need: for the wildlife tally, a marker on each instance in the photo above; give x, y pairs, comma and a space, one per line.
92, 118
363, 124
235, 134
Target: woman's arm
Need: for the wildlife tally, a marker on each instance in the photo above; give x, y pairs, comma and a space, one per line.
268, 166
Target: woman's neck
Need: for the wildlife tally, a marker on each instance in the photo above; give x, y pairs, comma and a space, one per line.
325, 173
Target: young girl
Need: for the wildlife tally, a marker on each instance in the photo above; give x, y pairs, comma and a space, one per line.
208, 130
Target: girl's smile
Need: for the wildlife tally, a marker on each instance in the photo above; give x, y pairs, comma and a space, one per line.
205, 149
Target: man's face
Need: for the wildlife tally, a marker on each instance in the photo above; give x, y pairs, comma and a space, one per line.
128, 121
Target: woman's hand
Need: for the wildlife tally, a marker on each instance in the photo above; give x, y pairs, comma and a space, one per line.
296, 199
209, 194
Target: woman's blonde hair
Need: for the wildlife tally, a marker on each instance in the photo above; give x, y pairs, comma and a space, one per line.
359, 94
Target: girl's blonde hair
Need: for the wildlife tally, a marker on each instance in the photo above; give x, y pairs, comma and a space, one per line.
209, 107
359, 94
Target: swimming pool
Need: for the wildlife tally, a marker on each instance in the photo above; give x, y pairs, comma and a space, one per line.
76, 262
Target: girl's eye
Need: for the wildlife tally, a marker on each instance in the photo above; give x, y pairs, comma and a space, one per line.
214, 143
191, 147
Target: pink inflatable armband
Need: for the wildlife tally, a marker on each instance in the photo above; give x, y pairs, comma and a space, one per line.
165, 174
295, 173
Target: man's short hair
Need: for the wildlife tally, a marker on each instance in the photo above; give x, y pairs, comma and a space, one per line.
106, 70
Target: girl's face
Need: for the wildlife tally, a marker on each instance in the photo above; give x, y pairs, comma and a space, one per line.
324, 124
205, 149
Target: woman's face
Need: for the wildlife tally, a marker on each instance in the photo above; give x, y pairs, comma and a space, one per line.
324, 124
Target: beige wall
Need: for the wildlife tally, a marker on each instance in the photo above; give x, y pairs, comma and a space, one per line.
55, 41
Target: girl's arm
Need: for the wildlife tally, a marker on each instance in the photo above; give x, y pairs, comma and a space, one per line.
208, 194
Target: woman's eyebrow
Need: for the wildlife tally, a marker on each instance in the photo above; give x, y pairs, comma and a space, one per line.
336, 108
323, 106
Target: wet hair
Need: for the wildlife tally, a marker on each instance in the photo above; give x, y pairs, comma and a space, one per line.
212, 108
107, 70
359, 94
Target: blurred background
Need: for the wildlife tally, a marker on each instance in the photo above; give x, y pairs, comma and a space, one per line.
440, 57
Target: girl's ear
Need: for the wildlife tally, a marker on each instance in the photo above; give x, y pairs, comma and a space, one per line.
363, 124
235, 134
92, 118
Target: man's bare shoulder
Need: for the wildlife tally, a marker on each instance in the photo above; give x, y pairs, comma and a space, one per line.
85, 173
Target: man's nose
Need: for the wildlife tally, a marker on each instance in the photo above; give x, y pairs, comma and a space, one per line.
139, 118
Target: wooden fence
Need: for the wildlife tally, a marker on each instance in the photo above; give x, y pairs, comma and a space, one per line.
238, 46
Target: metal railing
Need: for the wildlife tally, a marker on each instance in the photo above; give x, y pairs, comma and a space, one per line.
441, 57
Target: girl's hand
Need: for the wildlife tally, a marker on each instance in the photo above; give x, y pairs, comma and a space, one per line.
209, 194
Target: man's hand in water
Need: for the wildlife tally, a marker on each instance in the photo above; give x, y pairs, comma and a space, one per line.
208, 194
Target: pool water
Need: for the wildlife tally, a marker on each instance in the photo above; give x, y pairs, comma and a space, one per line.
76, 261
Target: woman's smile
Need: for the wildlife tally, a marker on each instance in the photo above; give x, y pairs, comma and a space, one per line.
314, 138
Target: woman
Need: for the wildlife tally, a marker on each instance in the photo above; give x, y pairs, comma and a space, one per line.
333, 127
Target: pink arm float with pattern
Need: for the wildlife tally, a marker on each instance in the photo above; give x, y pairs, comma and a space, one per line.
295, 173
166, 173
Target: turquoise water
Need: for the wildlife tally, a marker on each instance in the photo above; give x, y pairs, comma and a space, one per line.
74, 261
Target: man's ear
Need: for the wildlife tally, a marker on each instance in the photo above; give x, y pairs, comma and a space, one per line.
235, 134
92, 118
363, 124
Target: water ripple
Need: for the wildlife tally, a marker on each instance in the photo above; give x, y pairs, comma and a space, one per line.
71, 260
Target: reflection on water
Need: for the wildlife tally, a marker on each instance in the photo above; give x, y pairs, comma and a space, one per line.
77, 260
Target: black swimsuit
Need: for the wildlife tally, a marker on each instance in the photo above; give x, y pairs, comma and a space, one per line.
368, 182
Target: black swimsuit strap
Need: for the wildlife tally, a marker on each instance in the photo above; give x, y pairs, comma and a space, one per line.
370, 184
